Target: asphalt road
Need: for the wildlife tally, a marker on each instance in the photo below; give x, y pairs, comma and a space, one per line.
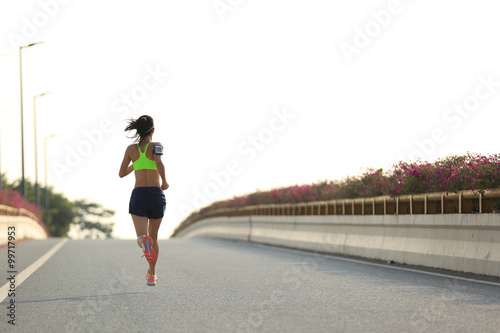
223, 286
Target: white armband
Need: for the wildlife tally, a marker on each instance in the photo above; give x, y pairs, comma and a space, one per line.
158, 150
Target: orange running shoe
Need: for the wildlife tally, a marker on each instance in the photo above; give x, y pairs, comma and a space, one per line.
149, 252
151, 279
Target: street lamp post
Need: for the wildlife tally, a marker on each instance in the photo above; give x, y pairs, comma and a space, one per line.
45, 169
23, 182
0, 155
37, 200
0, 159
1, 55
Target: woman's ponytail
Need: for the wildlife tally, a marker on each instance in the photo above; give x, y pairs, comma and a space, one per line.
143, 126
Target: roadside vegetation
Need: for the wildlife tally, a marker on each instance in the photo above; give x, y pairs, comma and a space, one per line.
90, 219
451, 174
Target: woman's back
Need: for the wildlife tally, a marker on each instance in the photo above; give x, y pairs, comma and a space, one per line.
145, 174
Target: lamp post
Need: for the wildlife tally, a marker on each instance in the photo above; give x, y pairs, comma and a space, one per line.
0, 159
45, 168
1, 111
37, 200
23, 182
1, 153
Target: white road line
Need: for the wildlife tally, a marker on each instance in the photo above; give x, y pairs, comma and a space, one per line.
333, 256
4, 291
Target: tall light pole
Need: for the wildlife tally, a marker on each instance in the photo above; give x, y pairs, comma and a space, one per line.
1, 55
23, 182
37, 200
0, 158
0, 154
45, 168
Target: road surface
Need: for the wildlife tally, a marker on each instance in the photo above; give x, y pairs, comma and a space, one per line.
223, 286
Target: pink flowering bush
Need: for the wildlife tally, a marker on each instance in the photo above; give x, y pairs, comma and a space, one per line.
450, 174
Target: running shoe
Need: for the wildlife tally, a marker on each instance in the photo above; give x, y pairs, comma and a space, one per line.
151, 279
149, 252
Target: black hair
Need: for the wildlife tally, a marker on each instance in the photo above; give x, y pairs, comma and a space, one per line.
143, 126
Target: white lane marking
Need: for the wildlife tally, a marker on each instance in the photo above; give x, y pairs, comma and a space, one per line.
4, 291
332, 256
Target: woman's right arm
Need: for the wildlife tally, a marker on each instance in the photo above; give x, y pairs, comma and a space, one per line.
125, 168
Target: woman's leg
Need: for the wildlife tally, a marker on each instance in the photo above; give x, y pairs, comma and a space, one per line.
141, 227
154, 225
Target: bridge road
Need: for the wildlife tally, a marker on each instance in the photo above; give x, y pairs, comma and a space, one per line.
209, 285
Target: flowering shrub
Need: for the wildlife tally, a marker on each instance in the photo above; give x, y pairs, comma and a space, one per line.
451, 174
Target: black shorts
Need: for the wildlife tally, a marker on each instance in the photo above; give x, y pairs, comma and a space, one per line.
147, 201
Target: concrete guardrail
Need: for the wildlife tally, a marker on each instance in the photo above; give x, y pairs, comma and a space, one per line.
458, 242
26, 224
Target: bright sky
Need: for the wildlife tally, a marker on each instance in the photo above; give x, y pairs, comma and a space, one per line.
245, 94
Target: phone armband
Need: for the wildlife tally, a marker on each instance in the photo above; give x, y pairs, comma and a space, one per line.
158, 150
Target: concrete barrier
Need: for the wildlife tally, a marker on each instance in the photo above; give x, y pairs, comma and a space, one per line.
458, 242
25, 228
237, 228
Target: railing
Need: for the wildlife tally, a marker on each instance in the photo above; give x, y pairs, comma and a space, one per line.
11, 211
463, 202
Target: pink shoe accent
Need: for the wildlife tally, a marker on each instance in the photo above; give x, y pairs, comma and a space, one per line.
149, 252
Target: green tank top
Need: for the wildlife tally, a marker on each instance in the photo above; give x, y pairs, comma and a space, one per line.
144, 163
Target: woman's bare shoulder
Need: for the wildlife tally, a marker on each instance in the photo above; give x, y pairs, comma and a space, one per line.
131, 148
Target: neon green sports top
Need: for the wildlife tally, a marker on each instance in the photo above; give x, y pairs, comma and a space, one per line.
143, 162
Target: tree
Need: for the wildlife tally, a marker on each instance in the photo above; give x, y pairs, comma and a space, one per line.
61, 211
60, 214
89, 219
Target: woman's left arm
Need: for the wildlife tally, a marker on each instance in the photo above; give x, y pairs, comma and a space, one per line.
125, 168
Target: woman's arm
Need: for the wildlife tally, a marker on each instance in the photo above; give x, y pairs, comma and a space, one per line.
125, 168
161, 171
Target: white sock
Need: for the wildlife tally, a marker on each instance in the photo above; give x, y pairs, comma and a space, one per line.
139, 241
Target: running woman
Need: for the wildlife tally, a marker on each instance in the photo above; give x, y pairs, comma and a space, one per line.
147, 202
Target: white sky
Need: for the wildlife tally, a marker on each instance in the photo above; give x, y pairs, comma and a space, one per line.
228, 77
